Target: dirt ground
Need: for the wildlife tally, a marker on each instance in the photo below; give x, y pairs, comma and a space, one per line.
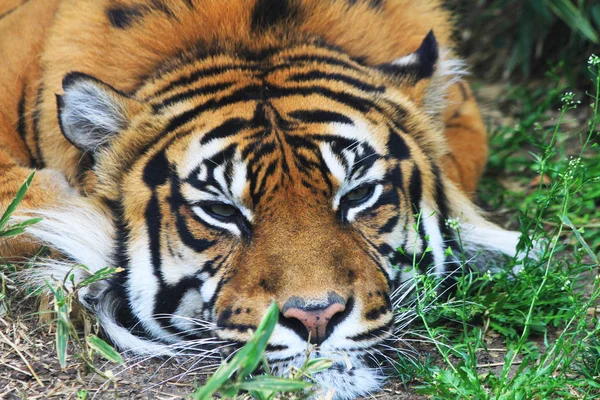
29, 367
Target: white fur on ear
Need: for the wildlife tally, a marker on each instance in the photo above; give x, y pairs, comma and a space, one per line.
90, 112
429, 62
416, 66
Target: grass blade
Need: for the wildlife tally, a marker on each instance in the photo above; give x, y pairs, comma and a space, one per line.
18, 197
104, 349
247, 359
580, 238
571, 16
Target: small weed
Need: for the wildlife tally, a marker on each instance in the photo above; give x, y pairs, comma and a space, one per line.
235, 376
65, 297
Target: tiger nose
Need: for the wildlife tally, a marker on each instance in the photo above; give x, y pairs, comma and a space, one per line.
315, 316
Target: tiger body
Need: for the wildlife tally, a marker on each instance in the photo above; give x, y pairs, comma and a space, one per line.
227, 154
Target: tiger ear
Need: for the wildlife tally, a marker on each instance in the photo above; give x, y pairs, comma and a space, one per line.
90, 112
415, 66
425, 76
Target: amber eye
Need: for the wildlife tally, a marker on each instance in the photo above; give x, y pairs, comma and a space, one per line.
358, 195
221, 210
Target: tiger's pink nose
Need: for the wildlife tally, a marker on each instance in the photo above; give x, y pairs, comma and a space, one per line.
315, 318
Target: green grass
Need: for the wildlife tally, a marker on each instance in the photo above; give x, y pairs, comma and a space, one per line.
521, 37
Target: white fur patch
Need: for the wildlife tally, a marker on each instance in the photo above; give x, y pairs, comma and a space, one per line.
335, 165
143, 285
430, 220
79, 230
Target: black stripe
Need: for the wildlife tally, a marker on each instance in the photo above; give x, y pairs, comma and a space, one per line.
226, 129
213, 300
320, 116
153, 219
123, 17
376, 4
209, 72
258, 150
415, 188
275, 361
159, 5
376, 259
248, 93
373, 333
157, 170
389, 226
358, 103
257, 190
375, 313
22, 128
176, 202
6, 14
268, 13
35, 120
118, 284
213, 266
356, 83
322, 59
442, 201
201, 91
396, 146
168, 299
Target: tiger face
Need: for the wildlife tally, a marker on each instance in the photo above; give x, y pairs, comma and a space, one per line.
290, 176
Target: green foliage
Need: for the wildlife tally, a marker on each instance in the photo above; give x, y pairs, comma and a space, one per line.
234, 376
525, 35
9, 231
6, 230
65, 295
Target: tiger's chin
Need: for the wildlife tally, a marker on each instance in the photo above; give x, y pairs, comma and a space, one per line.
348, 378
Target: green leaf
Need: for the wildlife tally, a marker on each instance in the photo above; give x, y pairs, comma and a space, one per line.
99, 275
82, 394
580, 238
273, 384
245, 360
260, 339
17, 229
12, 232
104, 349
318, 365
62, 324
62, 336
571, 16
18, 197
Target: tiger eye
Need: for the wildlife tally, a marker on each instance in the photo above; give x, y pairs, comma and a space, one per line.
358, 194
222, 210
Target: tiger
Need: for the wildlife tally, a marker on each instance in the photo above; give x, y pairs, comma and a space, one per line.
225, 155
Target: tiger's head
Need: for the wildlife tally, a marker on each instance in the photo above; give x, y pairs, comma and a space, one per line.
296, 175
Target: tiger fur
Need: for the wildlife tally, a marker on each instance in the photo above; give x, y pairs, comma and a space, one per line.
227, 154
